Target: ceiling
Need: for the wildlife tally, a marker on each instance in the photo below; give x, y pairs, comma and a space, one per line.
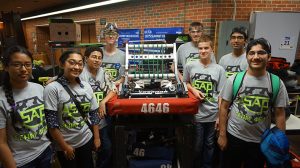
32, 7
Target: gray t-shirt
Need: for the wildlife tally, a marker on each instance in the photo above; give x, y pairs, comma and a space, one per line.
114, 64
189, 52
209, 80
26, 136
71, 125
233, 64
250, 113
100, 85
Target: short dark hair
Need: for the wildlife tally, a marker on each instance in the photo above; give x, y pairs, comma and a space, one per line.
91, 49
242, 30
195, 24
261, 41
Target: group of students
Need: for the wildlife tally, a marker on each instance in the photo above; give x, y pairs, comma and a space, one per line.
237, 111
28, 111
69, 111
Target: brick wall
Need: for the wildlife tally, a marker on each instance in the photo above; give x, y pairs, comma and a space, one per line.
167, 13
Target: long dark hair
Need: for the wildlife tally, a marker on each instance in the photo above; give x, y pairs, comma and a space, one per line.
6, 59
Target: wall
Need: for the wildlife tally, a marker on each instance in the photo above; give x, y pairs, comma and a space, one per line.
166, 13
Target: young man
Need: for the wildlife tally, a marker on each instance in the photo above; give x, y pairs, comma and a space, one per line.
250, 112
113, 62
236, 61
205, 79
113, 58
189, 51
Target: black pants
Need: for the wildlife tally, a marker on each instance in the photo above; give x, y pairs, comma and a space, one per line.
244, 153
83, 157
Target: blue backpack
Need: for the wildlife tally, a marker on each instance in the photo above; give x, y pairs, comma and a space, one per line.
275, 147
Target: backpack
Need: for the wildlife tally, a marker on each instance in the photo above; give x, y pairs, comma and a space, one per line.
275, 147
238, 80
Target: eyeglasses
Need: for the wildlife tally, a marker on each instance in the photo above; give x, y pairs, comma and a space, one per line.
237, 37
74, 63
19, 65
113, 34
95, 57
195, 31
259, 53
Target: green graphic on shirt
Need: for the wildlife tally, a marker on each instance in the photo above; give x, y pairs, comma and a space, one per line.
256, 104
204, 86
30, 123
99, 96
253, 104
228, 74
192, 57
231, 70
71, 116
113, 72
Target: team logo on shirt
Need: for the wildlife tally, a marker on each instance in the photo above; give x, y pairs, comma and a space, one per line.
205, 84
71, 116
112, 69
192, 57
253, 104
231, 70
29, 119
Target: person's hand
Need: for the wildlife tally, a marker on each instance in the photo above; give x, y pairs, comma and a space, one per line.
102, 110
222, 142
69, 152
217, 125
97, 144
198, 94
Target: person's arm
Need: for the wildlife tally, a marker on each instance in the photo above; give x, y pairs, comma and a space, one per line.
102, 105
195, 92
97, 141
6, 156
121, 80
68, 149
223, 117
280, 118
217, 121
179, 74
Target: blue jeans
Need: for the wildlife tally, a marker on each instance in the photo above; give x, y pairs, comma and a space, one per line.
105, 153
204, 144
42, 161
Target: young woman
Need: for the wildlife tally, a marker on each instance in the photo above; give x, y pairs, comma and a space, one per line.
67, 125
22, 120
103, 89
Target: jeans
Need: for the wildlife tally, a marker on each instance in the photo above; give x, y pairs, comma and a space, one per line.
83, 157
204, 144
42, 161
240, 153
105, 153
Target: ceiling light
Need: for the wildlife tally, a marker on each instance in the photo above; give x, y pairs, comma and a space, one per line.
75, 9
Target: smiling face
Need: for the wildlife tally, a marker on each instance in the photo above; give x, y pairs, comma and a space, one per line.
19, 68
237, 41
257, 58
205, 50
111, 37
73, 66
94, 60
195, 33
